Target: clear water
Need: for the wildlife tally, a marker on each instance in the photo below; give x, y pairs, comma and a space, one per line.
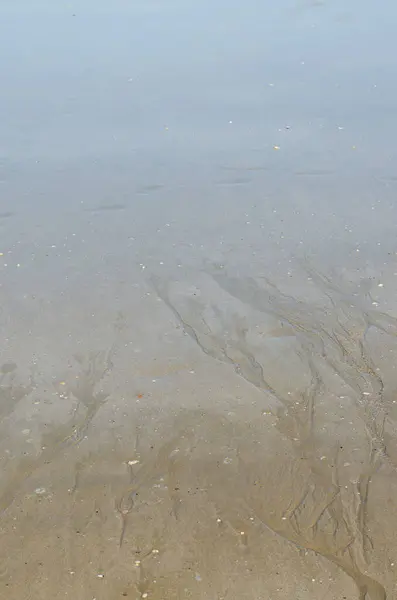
198, 274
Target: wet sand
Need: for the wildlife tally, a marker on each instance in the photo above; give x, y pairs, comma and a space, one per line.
236, 440
198, 274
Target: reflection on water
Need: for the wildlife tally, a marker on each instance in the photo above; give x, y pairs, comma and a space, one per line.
197, 301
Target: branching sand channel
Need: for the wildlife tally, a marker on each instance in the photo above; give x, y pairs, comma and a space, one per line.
325, 510
266, 470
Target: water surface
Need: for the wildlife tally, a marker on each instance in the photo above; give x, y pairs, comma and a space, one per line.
198, 273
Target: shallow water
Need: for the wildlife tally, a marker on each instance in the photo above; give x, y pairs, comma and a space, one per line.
198, 274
